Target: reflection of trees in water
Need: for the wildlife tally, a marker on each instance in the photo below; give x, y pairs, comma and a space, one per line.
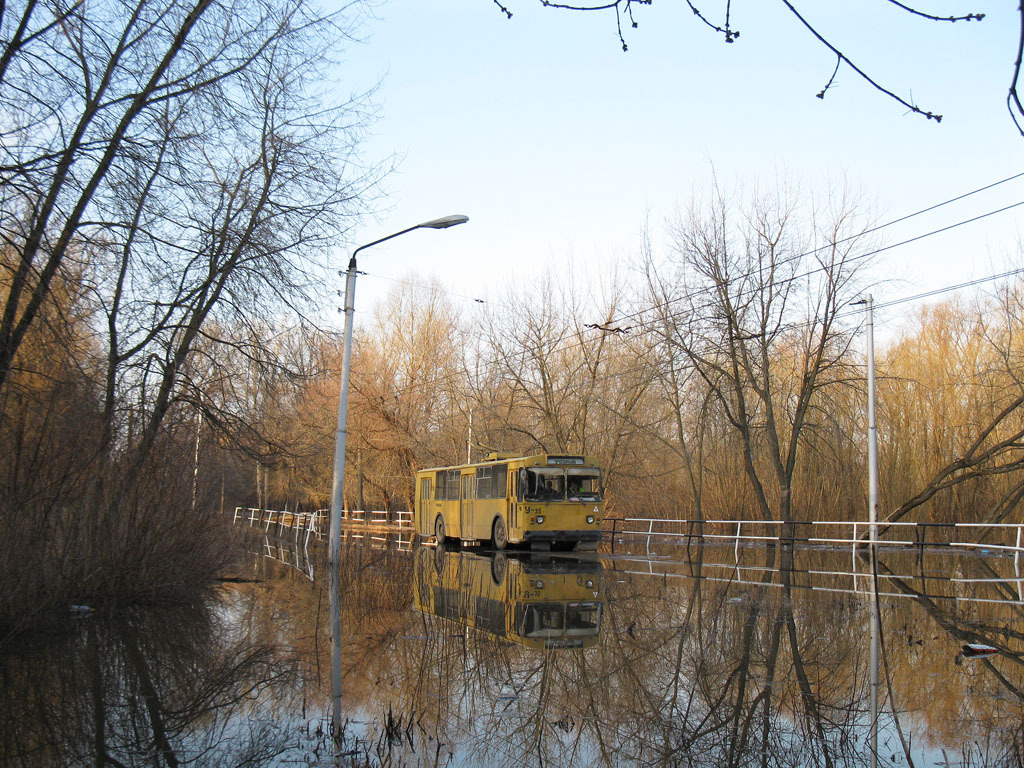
773, 673
493, 701
154, 688
692, 671
717, 674
979, 703
236, 681
686, 671
696, 672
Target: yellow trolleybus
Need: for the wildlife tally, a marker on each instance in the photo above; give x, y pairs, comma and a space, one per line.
536, 604
534, 500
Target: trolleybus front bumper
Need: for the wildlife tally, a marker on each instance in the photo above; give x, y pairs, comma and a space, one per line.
556, 536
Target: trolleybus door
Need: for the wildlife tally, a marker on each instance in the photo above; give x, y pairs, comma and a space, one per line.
510, 505
466, 507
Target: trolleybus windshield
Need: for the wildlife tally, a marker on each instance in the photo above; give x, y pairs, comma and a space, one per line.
557, 484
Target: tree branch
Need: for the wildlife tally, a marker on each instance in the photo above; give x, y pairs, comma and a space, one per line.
864, 75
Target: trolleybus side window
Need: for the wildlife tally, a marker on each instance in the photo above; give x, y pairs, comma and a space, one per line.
483, 483
447, 486
499, 481
490, 481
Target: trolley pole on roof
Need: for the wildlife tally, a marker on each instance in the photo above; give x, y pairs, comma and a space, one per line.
338, 482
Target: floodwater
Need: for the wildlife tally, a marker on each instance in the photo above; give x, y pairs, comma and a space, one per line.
683, 655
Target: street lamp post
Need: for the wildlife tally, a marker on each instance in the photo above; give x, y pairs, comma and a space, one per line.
334, 545
873, 521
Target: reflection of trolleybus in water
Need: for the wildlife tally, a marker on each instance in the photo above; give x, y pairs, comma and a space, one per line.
536, 500
537, 604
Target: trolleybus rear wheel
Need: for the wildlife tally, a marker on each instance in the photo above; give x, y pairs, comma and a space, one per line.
439, 531
499, 537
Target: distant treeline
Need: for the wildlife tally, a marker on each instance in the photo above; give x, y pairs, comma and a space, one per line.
728, 382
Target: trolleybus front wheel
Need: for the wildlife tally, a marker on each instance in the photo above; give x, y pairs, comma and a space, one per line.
439, 531
499, 537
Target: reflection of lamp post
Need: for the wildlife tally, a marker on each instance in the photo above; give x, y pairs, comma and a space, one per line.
334, 545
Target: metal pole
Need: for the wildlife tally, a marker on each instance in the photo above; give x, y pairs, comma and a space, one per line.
334, 598
334, 545
872, 429
337, 501
874, 657
873, 522
338, 483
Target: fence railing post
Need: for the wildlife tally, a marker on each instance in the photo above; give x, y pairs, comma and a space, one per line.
853, 556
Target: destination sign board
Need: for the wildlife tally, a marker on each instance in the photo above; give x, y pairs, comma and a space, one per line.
566, 460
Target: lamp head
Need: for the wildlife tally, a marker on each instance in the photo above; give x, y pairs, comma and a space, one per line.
445, 221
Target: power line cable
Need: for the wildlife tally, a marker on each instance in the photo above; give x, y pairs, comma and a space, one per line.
833, 244
880, 305
660, 320
433, 289
811, 272
801, 276
950, 288
786, 327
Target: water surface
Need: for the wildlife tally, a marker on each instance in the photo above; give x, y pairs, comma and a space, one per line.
683, 655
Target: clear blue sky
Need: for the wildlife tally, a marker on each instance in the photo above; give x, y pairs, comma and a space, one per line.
558, 145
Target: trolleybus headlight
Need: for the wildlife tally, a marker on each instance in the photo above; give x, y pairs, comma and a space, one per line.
538, 584
590, 584
540, 519
590, 519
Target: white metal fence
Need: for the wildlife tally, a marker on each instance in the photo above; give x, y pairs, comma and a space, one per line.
991, 538
316, 524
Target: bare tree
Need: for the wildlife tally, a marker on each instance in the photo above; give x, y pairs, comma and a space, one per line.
408, 391
755, 315
568, 381
957, 398
185, 166
181, 143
